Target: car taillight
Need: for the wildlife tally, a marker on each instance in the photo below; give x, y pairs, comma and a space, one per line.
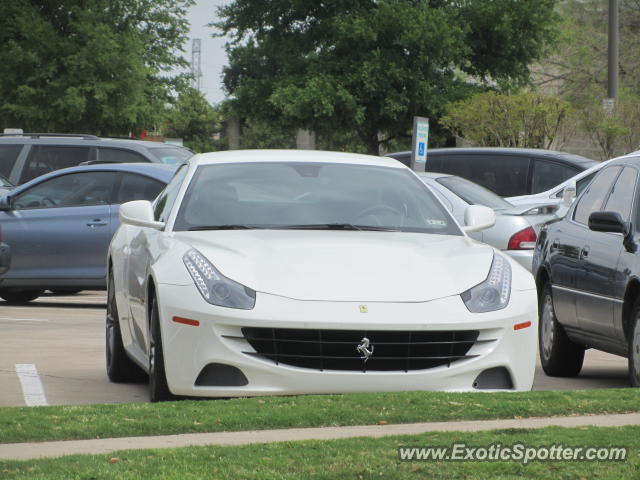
523, 240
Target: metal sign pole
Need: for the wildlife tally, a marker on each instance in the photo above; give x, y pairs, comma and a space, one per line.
419, 144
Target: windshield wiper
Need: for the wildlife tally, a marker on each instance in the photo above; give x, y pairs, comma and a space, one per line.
222, 227
335, 226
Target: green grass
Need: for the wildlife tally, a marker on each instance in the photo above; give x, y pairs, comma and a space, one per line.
21, 424
359, 458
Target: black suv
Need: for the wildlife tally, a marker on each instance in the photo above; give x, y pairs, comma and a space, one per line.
587, 270
29, 155
509, 172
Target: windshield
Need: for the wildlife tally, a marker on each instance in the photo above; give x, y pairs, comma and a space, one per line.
4, 182
472, 193
312, 196
171, 155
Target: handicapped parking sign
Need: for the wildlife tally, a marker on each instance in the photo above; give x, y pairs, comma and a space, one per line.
419, 143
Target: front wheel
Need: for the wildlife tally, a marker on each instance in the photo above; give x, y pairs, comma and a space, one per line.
634, 346
12, 295
560, 357
158, 387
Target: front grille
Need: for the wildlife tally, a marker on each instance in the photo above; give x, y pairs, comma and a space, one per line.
337, 349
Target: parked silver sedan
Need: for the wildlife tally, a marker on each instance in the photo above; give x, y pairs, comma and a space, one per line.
516, 228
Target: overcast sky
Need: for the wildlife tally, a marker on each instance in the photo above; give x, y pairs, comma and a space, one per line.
213, 54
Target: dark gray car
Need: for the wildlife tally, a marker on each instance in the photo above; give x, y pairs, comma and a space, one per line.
509, 172
24, 157
587, 269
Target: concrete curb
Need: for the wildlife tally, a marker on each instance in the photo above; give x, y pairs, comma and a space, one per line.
29, 451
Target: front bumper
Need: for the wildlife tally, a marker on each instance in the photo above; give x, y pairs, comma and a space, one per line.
188, 349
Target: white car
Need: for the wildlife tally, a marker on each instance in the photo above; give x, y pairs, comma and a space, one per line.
562, 194
293, 272
516, 229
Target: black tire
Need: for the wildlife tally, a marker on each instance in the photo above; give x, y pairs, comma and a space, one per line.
634, 346
13, 295
120, 368
560, 357
158, 387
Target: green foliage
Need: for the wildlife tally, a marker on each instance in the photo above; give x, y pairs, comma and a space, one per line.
579, 63
94, 66
193, 119
523, 119
614, 131
360, 68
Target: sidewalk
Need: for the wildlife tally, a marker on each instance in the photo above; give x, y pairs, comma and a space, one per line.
27, 451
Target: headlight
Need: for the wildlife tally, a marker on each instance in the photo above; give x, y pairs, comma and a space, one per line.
215, 287
493, 293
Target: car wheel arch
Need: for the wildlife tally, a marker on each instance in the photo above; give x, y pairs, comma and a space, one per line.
151, 296
631, 296
542, 278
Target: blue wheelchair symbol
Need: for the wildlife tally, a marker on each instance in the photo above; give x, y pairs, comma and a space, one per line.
421, 149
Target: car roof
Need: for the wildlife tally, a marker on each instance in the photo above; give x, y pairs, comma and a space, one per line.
77, 140
567, 157
310, 156
159, 171
631, 158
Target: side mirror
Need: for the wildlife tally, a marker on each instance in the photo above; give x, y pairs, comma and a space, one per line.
608, 222
6, 203
478, 217
569, 194
140, 214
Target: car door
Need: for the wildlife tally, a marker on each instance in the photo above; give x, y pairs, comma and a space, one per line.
600, 285
140, 241
59, 228
598, 255
567, 240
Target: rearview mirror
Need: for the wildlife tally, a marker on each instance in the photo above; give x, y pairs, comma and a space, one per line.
140, 214
608, 222
478, 217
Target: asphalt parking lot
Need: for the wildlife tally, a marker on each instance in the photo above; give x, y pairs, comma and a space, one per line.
63, 337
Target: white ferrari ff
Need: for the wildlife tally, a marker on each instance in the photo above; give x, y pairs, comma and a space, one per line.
292, 272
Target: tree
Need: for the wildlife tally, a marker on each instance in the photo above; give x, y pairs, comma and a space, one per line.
193, 119
368, 66
580, 61
524, 119
93, 66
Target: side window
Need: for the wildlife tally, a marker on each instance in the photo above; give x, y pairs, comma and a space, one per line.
505, 175
164, 202
584, 183
118, 155
8, 156
548, 174
137, 187
594, 195
621, 198
45, 159
71, 190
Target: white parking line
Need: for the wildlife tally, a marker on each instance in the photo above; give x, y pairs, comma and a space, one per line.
31, 385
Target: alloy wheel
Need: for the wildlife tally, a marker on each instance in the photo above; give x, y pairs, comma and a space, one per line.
548, 326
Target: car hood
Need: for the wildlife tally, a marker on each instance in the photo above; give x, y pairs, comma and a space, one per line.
345, 265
